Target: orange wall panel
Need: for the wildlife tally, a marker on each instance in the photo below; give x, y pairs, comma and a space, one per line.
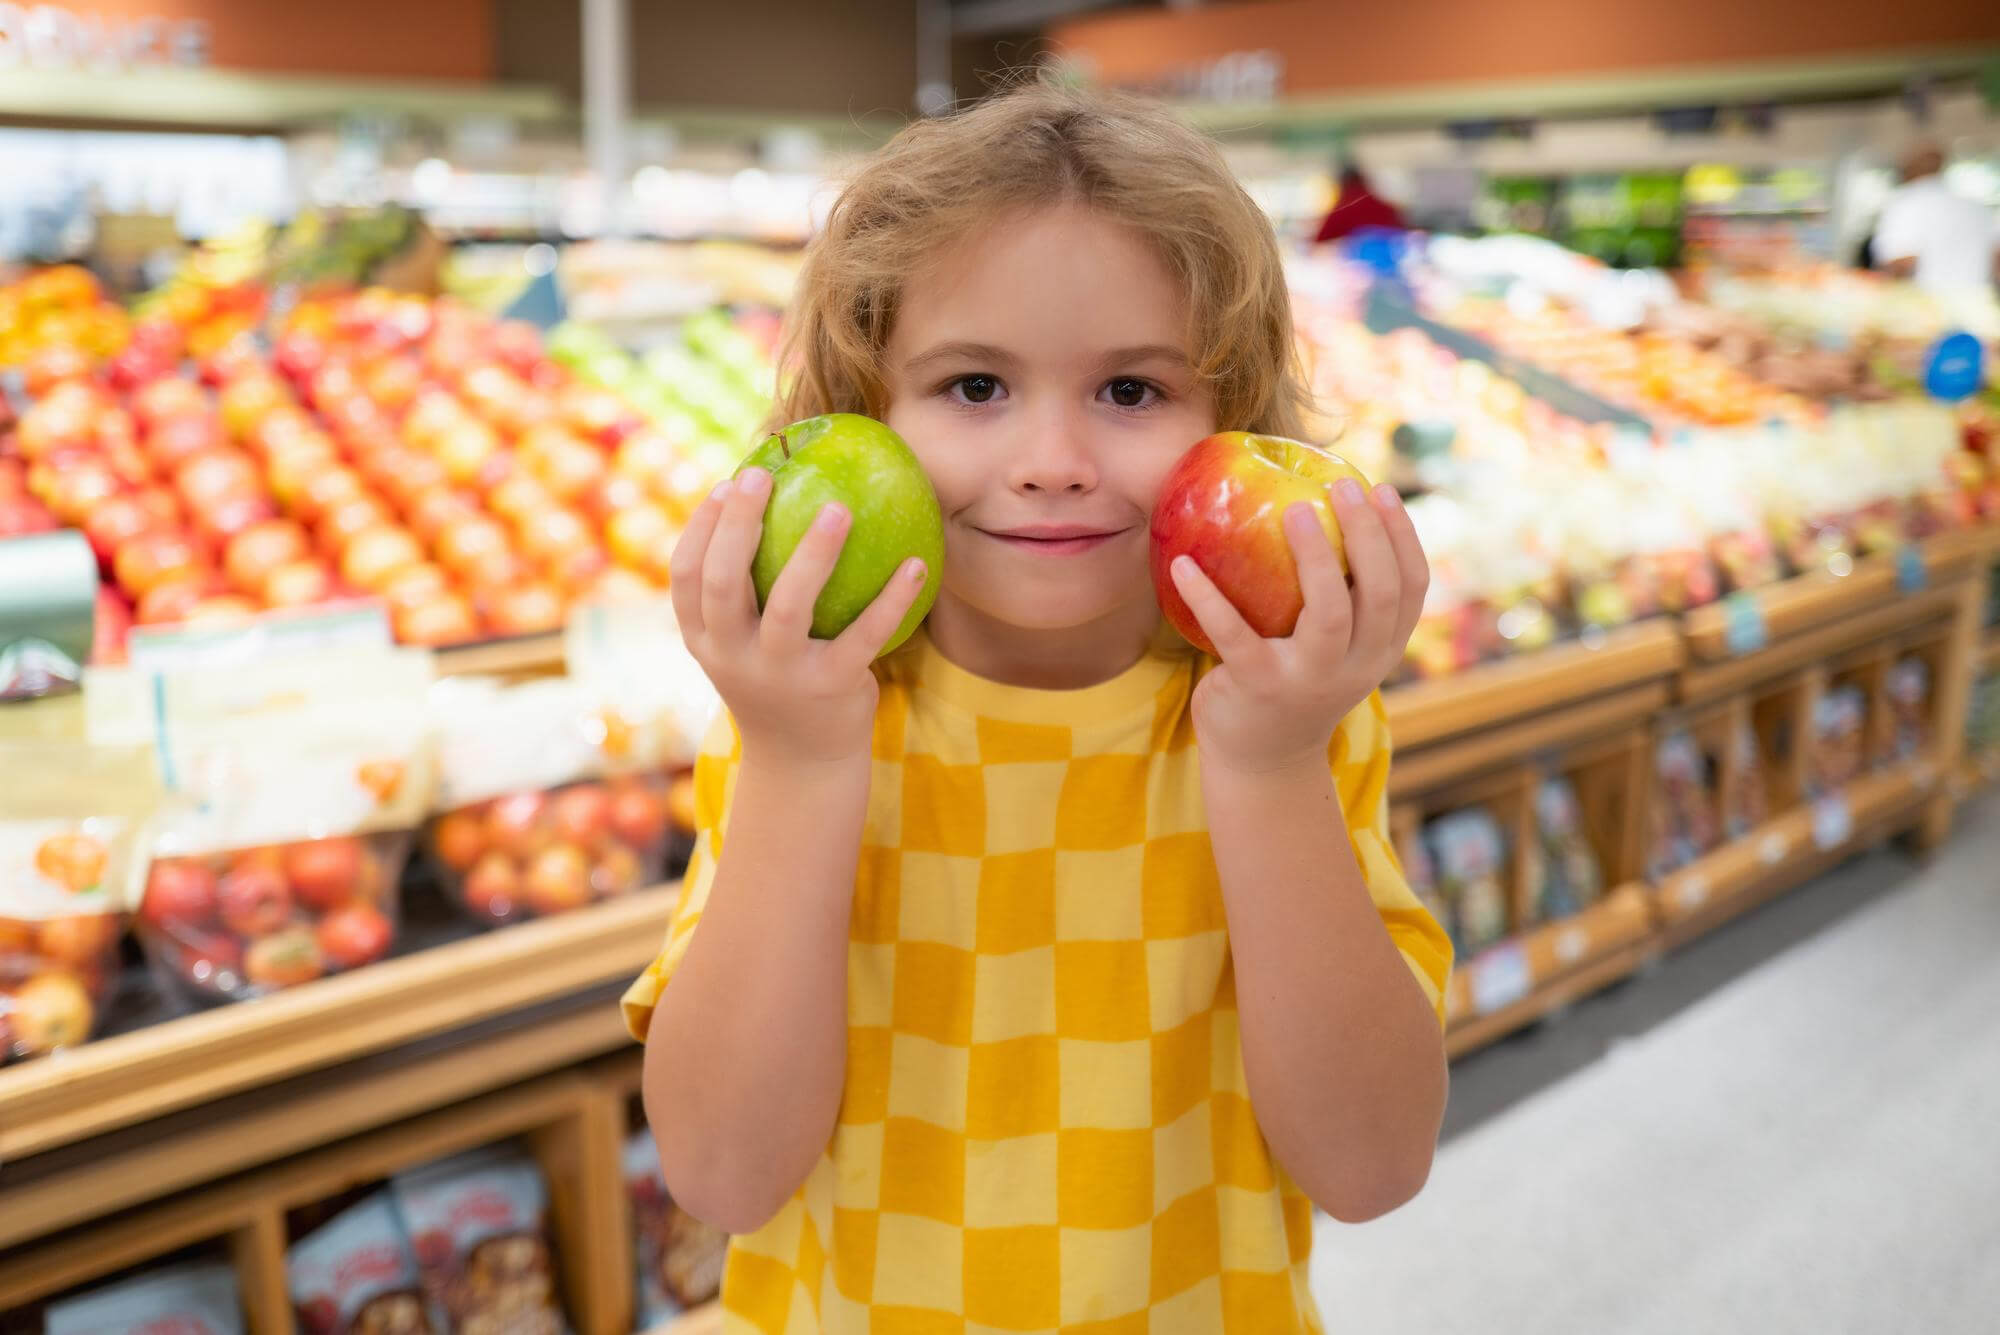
1339, 45
386, 39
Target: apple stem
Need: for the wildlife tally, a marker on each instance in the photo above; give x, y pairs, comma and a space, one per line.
784, 446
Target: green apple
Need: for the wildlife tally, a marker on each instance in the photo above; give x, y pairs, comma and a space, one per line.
868, 468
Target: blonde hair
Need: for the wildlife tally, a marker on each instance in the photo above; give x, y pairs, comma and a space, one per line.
1041, 144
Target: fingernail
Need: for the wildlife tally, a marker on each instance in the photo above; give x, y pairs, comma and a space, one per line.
1350, 490
913, 569
721, 490
1386, 497
1184, 565
753, 480
830, 518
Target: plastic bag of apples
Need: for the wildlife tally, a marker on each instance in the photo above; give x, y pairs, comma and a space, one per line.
293, 788
66, 847
549, 800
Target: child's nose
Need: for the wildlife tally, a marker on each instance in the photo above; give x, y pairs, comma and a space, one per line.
1054, 454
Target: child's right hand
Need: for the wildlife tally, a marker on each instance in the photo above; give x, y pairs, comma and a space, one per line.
806, 700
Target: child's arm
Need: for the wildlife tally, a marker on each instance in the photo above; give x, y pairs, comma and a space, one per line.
748, 1041
1341, 1048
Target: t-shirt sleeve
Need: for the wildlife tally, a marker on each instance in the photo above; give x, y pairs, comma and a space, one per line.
1360, 759
1895, 231
714, 780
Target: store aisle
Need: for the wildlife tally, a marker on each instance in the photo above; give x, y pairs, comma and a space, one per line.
1811, 1147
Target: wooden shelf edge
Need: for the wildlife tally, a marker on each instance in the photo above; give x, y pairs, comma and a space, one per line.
1422, 769
182, 1062
1976, 773
1805, 602
1429, 711
1703, 679
1555, 950
1989, 650
1784, 851
525, 653
1558, 993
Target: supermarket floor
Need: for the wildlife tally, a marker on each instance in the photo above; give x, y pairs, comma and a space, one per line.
1791, 1126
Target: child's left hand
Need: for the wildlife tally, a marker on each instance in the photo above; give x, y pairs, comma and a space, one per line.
1274, 703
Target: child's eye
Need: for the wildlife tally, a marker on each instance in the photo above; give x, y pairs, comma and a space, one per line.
1128, 392
974, 389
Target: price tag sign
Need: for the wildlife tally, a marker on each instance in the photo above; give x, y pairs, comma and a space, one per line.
1743, 624
1572, 945
1912, 575
1774, 848
1693, 891
1833, 821
1500, 977
1955, 367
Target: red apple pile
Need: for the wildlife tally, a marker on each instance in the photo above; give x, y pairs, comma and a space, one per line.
391, 447
256, 920
532, 854
55, 976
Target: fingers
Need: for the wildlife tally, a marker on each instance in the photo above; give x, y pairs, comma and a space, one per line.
1411, 563
860, 644
1327, 621
788, 612
1371, 566
728, 599
685, 566
1218, 618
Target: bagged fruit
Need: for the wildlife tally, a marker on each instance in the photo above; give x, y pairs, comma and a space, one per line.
1683, 819
292, 792
679, 1259
1470, 852
356, 1275
1746, 802
1835, 755
477, 1224
1572, 879
180, 1299
67, 841
547, 805
1906, 691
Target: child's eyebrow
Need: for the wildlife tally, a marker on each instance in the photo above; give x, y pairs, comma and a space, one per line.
1145, 352
983, 353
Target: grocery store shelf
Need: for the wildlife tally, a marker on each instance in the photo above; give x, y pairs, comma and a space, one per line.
1788, 849
1503, 692
1425, 768
1522, 980
134, 1077
216, 97
1860, 623
1794, 606
523, 654
1976, 773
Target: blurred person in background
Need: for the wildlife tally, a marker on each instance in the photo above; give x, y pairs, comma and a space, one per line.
1356, 206
1932, 234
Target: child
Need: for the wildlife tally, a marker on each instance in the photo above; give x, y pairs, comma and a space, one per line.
1046, 973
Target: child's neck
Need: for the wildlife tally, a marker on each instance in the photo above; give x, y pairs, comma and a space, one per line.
1046, 660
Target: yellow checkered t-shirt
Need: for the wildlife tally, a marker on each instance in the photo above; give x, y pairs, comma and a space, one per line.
1045, 1124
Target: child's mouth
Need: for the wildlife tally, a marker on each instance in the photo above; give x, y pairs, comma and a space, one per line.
1054, 540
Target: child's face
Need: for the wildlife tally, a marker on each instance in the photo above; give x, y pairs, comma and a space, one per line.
1040, 370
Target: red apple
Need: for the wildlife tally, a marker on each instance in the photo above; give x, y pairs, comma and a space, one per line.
254, 900
172, 441
412, 585
341, 523
615, 871
527, 609
440, 620
355, 935
296, 584
221, 521
374, 555
558, 880
179, 891
492, 887
638, 814
581, 814
114, 523
284, 959
516, 824
205, 478
151, 559
258, 550
170, 602
1223, 504
83, 940
458, 839
325, 872
221, 610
